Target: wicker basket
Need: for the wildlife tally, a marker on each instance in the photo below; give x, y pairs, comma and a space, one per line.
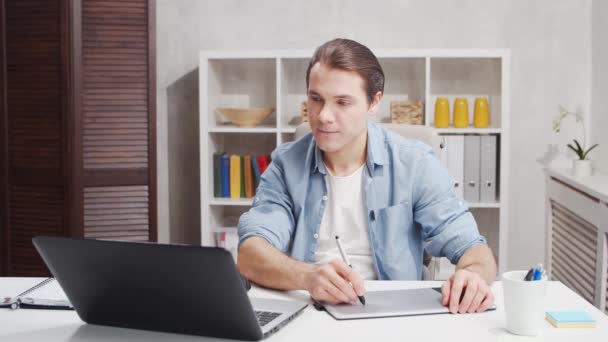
303, 112
407, 112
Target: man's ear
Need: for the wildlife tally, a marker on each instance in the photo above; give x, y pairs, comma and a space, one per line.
375, 105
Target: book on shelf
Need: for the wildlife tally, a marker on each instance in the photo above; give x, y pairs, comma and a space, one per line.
248, 177
225, 175
238, 176
235, 176
217, 175
242, 177
262, 163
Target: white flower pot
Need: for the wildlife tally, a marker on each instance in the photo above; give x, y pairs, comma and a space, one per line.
581, 168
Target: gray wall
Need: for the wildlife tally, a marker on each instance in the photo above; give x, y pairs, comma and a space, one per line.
551, 64
599, 95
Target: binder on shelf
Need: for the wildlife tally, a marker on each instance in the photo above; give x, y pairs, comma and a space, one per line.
471, 167
248, 177
488, 151
225, 177
46, 294
443, 153
217, 175
235, 176
455, 161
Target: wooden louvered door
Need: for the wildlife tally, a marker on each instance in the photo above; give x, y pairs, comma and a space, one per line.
77, 124
117, 105
3, 152
33, 114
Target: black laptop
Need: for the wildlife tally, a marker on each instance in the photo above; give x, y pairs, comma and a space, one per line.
171, 288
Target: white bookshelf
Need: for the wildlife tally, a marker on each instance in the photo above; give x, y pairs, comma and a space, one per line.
276, 78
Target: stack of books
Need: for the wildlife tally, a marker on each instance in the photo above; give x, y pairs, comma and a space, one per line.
237, 176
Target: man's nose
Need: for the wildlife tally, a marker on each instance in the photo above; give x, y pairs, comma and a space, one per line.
326, 114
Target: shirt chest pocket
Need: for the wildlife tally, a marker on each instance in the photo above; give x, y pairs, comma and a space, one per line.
393, 233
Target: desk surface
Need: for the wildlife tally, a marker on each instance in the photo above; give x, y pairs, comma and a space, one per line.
312, 325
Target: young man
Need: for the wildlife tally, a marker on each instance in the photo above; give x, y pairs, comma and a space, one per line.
388, 198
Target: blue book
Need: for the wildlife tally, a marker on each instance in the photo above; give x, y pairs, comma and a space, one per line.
570, 319
225, 175
256, 171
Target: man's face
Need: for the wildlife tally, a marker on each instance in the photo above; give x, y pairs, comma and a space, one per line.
337, 107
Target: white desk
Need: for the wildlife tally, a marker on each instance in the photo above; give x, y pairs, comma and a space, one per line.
312, 325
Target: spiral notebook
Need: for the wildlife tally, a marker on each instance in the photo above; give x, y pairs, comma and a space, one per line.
46, 294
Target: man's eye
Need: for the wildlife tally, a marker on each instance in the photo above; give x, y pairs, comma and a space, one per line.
315, 98
343, 103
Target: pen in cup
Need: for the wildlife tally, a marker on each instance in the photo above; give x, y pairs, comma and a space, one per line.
346, 261
535, 273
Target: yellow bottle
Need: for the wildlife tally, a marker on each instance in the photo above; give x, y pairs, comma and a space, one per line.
481, 115
442, 113
461, 113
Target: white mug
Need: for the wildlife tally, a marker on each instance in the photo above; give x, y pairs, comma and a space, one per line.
524, 303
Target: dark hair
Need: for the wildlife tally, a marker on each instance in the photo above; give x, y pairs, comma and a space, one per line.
346, 54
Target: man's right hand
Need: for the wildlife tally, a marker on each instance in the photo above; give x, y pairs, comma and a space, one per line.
335, 283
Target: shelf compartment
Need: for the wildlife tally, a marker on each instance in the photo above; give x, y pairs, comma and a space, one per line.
468, 78
241, 83
238, 143
287, 137
404, 80
241, 143
220, 219
293, 90
487, 222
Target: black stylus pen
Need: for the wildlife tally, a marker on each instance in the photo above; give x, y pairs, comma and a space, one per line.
345, 259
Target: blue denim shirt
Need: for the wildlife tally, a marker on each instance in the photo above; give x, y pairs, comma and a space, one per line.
409, 200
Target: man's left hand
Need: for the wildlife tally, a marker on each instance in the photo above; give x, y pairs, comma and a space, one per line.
476, 294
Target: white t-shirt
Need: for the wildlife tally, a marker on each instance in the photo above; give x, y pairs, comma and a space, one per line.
345, 216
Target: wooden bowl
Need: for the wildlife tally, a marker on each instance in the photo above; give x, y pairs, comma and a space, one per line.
246, 117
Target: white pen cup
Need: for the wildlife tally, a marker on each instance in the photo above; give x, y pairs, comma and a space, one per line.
524, 303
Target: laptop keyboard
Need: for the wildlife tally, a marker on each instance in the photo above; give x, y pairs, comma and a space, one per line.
265, 317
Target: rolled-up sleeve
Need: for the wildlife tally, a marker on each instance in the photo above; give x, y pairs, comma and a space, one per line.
448, 227
271, 215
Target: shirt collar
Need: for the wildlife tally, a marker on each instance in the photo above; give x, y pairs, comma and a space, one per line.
377, 153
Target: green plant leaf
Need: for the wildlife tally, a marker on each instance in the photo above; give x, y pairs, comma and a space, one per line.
578, 146
589, 150
578, 152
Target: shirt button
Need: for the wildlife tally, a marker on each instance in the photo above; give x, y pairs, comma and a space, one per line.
325, 198
316, 236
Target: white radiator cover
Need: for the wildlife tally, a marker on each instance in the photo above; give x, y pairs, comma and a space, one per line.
577, 233
574, 250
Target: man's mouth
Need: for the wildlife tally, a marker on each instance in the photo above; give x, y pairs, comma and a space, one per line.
326, 131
